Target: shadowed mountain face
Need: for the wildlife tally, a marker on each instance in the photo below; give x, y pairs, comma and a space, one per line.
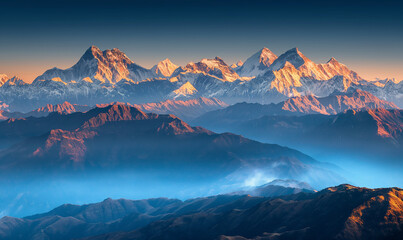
363, 125
342, 212
333, 104
257, 64
376, 131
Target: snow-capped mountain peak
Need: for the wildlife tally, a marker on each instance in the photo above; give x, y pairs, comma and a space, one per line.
335, 68
383, 82
109, 66
267, 57
332, 60
308, 69
3, 79
293, 56
237, 65
109, 56
216, 62
164, 68
257, 64
90, 53
184, 91
215, 67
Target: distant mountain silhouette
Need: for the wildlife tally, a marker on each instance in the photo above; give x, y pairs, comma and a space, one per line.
375, 131
276, 188
333, 104
363, 124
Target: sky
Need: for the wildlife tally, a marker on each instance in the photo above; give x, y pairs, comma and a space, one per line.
367, 36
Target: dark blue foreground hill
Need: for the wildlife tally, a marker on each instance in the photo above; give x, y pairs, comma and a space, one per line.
342, 212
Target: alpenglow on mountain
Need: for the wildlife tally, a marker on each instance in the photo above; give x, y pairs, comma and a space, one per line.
109, 76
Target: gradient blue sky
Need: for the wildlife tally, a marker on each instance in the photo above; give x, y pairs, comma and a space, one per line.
365, 35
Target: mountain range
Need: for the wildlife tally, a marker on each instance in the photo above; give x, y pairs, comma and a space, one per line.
188, 109
341, 212
341, 122
335, 103
110, 76
76, 141
117, 142
368, 133
108, 127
